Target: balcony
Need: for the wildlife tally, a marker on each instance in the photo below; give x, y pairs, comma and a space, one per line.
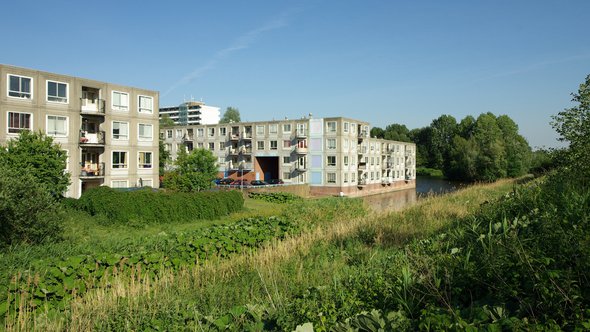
92, 139
362, 135
245, 166
247, 135
92, 106
362, 182
233, 151
362, 165
301, 149
92, 171
234, 136
301, 133
301, 167
245, 150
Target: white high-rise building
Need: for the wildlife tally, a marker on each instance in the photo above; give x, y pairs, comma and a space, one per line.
192, 113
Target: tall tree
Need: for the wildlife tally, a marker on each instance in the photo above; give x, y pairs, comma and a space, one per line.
573, 124
491, 159
443, 130
377, 132
166, 121
518, 151
163, 157
231, 115
397, 132
36, 153
194, 171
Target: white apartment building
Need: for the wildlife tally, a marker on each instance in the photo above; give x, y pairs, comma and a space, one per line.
192, 113
331, 155
108, 131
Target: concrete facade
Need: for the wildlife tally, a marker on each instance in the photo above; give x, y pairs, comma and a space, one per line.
109, 131
331, 155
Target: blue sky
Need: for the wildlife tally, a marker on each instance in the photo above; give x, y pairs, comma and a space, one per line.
385, 62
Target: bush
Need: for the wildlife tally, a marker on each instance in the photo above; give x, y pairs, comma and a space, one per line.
28, 212
148, 207
280, 197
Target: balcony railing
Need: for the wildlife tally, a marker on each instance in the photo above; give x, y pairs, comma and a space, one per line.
301, 133
234, 136
362, 182
301, 149
92, 170
245, 150
233, 151
87, 138
362, 165
92, 106
302, 167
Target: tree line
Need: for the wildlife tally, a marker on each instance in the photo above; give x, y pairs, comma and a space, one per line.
483, 149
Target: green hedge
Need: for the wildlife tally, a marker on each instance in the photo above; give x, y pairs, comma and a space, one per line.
146, 206
279, 197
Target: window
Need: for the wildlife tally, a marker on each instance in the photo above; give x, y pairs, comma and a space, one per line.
286, 160
332, 126
146, 183
146, 104
211, 132
169, 133
346, 124
331, 177
161, 135
57, 92
20, 87
345, 178
145, 132
345, 160
199, 145
345, 144
18, 122
212, 146
120, 101
273, 128
168, 147
287, 128
119, 184
273, 145
178, 133
259, 130
331, 160
119, 159
145, 160
286, 144
260, 145
200, 132
222, 131
120, 130
286, 175
331, 143
57, 125
352, 177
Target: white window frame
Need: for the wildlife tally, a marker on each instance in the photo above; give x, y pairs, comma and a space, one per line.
222, 131
330, 124
273, 128
26, 95
19, 129
329, 146
67, 97
145, 138
168, 133
142, 165
211, 146
126, 182
120, 108
260, 130
331, 175
211, 132
55, 134
331, 164
276, 145
126, 164
120, 136
145, 110
285, 126
346, 125
258, 145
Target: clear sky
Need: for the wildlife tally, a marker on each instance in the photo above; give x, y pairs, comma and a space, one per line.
384, 62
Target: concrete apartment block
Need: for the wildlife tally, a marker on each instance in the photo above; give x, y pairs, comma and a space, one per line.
109, 131
332, 155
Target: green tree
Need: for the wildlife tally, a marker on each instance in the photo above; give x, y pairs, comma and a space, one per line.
29, 213
573, 124
231, 115
377, 132
491, 159
397, 132
518, 151
443, 130
194, 171
164, 157
35, 153
166, 121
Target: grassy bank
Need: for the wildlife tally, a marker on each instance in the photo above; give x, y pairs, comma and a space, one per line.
333, 271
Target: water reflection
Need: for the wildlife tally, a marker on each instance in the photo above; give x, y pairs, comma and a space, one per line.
396, 200
391, 201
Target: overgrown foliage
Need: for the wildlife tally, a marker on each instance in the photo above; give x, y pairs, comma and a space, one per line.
278, 197
146, 206
193, 171
35, 153
28, 212
231, 115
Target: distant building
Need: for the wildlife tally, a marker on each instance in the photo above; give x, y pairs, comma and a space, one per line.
331, 155
108, 131
192, 113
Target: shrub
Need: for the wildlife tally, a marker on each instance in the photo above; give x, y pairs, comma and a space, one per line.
28, 212
279, 197
148, 207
